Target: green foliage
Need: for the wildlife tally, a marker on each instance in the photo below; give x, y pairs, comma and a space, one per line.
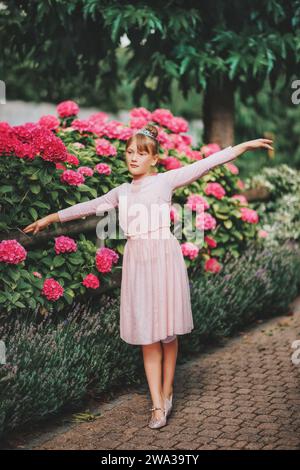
279, 216
182, 41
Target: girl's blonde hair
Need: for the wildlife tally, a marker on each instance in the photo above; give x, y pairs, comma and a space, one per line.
145, 143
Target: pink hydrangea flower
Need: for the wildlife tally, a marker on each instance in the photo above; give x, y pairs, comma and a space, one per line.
262, 233
60, 166
37, 274
83, 125
187, 139
162, 116
232, 168
177, 125
212, 265
125, 133
49, 122
138, 122
72, 159
103, 168
205, 221
209, 149
91, 281
164, 139
240, 184
52, 289
72, 178
174, 215
12, 252
64, 244
104, 147
85, 171
249, 215
99, 117
141, 112
190, 250
197, 203
211, 242
105, 257
241, 198
171, 163
67, 108
78, 145
215, 189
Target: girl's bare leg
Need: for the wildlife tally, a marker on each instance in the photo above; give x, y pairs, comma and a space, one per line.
170, 351
153, 356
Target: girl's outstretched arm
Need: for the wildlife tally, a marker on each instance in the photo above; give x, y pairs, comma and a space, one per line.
103, 203
99, 204
190, 173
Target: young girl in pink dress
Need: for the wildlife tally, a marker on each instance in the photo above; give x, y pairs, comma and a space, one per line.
155, 303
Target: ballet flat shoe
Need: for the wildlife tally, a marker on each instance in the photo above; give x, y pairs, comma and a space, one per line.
156, 423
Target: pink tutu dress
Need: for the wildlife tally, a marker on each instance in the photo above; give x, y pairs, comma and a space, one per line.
155, 302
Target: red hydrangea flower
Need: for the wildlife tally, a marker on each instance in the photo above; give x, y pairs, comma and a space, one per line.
52, 289
72, 159
67, 108
212, 265
249, 215
72, 178
103, 168
37, 274
190, 250
64, 245
205, 221
49, 122
104, 147
197, 202
215, 189
211, 242
170, 163
91, 281
105, 257
85, 171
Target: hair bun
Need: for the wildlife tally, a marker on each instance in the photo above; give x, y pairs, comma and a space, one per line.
152, 129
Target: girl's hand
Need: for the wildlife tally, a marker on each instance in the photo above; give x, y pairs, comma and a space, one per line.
239, 149
41, 224
259, 143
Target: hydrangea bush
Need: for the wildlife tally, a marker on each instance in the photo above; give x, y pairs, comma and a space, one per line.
63, 160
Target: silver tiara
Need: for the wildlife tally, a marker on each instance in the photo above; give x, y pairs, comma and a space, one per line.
146, 132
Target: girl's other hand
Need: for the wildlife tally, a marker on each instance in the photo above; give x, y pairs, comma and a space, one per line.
41, 224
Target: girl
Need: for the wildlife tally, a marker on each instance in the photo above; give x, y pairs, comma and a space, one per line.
155, 301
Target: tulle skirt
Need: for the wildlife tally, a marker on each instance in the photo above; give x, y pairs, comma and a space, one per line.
155, 291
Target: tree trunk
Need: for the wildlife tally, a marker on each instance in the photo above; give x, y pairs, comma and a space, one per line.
218, 112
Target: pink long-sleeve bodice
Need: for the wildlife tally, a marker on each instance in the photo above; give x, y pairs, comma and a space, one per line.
144, 204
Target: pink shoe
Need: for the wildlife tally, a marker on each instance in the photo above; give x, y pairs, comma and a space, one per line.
156, 423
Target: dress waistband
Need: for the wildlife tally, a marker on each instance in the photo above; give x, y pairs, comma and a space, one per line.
156, 234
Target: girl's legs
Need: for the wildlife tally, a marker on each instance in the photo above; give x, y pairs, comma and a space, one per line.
170, 349
160, 360
153, 355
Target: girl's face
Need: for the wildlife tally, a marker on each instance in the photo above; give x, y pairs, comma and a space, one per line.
139, 163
